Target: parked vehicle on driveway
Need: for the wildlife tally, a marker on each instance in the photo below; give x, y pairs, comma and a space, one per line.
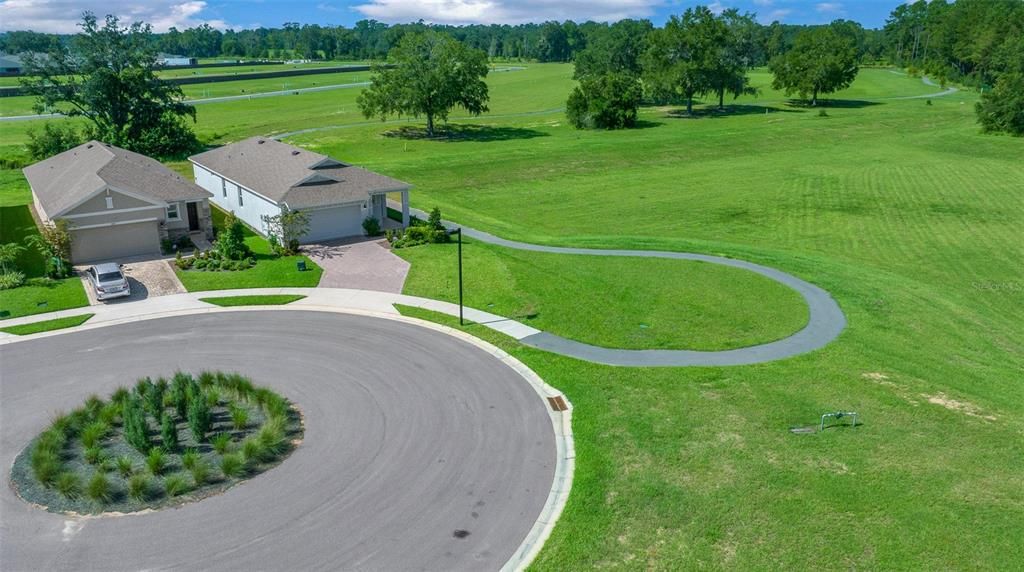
108, 281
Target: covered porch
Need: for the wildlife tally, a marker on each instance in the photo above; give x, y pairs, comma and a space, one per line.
392, 209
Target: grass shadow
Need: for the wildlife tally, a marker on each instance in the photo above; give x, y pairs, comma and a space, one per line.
466, 132
729, 111
833, 104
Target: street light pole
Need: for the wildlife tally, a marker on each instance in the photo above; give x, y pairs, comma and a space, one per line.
458, 231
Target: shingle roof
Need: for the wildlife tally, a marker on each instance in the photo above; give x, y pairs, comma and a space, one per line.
287, 174
71, 177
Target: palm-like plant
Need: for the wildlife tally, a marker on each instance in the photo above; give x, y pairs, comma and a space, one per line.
8, 254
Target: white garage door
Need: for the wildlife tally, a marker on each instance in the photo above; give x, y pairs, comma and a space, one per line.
113, 242
334, 222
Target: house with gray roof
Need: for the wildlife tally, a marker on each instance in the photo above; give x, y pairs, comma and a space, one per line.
260, 176
117, 203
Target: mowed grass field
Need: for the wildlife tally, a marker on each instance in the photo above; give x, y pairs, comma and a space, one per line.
902, 210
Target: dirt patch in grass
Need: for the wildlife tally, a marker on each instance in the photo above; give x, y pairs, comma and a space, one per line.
964, 407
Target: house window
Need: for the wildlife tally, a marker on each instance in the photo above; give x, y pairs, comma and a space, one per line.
172, 211
239, 196
110, 202
224, 188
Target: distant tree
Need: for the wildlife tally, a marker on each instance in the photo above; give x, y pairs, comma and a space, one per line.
678, 59
553, 44
55, 138
733, 51
618, 49
1002, 108
607, 101
107, 76
822, 61
431, 74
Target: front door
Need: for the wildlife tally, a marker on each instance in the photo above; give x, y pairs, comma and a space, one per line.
193, 216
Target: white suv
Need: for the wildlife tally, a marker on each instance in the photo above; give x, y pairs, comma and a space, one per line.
108, 281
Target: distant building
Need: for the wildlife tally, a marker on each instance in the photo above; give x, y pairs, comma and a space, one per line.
173, 60
10, 65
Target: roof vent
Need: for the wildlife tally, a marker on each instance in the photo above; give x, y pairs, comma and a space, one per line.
260, 142
89, 146
295, 152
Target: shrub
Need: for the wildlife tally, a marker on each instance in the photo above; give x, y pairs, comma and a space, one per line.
221, 442
252, 450
99, 489
155, 398
124, 466
212, 397
156, 461
139, 486
119, 396
94, 455
136, 431
93, 433
232, 465
11, 279
55, 138
46, 466
200, 472
198, 418
609, 101
169, 433
231, 243
69, 485
239, 416
110, 412
190, 458
175, 485
200, 264
371, 226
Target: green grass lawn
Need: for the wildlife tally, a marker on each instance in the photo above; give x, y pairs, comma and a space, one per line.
907, 214
269, 272
47, 325
611, 301
255, 300
15, 224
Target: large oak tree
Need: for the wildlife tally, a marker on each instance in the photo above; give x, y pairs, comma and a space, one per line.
107, 75
822, 61
427, 74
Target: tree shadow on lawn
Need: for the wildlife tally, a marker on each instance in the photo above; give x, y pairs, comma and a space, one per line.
466, 132
832, 103
729, 111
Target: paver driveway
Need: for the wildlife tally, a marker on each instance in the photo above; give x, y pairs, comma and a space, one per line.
362, 265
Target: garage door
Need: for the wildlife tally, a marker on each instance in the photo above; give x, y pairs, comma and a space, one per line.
334, 222
114, 242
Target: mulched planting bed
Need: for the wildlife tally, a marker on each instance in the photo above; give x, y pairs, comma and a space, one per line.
161, 443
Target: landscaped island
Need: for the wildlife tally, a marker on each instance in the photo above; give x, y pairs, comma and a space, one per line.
160, 443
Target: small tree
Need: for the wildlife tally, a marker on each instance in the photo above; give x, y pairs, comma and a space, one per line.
608, 101
198, 417
54, 243
169, 434
231, 242
1002, 108
54, 139
8, 255
428, 73
821, 61
435, 223
290, 225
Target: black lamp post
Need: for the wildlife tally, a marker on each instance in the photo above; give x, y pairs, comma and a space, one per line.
458, 231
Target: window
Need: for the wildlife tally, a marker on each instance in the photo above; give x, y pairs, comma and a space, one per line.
110, 202
239, 196
172, 211
224, 188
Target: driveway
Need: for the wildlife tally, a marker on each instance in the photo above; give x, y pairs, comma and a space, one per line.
362, 265
147, 278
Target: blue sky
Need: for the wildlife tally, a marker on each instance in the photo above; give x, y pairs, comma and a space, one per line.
61, 15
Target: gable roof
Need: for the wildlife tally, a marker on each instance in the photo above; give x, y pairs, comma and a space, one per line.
290, 175
68, 179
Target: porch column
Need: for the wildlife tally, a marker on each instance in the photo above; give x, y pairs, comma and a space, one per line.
405, 208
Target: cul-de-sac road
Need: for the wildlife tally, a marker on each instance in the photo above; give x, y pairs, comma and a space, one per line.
411, 435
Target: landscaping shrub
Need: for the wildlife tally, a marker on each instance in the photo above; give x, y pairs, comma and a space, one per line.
221, 442
175, 485
200, 473
69, 485
239, 416
136, 431
99, 489
190, 458
93, 455
93, 433
11, 279
125, 466
169, 434
179, 391
198, 417
371, 226
139, 486
156, 461
232, 465
212, 397
252, 450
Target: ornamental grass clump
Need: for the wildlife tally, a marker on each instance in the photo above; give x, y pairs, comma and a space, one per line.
94, 455
239, 416
69, 485
221, 442
190, 458
139, 486
232, 465
199, 418
124, 465
99, 490
200, 473
93, 433
175, 485
156, 461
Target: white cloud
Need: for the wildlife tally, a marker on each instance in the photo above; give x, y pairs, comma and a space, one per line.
777, 14
716, 7
829, 8
63, 16
505, 11
763, 3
